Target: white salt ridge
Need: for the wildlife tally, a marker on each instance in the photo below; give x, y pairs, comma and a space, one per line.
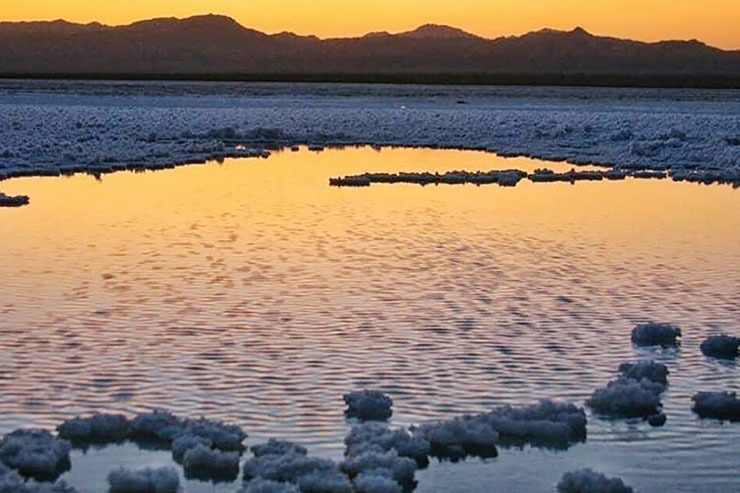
649, 370
379, 438
588, 481
721, 346
656, 334
161, 480
695, 139
368, 405
35, 453
627, 398
203, 462
717, 405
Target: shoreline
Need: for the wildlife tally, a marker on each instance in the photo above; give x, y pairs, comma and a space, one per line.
655, 81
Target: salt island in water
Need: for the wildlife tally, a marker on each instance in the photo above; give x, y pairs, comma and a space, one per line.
244, 327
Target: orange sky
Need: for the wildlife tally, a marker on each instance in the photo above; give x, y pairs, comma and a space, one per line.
713, 21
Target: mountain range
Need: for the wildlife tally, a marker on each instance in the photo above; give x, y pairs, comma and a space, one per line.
212, 45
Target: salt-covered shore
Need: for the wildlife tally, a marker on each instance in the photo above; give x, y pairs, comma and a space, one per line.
52, 128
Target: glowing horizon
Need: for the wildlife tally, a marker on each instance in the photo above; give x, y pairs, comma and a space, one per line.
630, 19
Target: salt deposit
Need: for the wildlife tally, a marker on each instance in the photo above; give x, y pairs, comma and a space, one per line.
588, 481
721, 346
162, 480
368, 405
717, 405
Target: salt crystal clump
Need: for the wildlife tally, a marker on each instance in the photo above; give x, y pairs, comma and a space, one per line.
324, 481
388, 464
368, 405
717, 405
459, 437
35, 453
99, 428
656, 334
11, 482
372, 483
225, 437
627, 398
588, 481
267, 486
545, 423
722, 346
378, 437
165, 427
289, 464
161, 480
278, 447
156, 425
650, 370
202, 462
187, 442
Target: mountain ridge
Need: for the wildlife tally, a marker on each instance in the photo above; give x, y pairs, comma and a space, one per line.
217, 44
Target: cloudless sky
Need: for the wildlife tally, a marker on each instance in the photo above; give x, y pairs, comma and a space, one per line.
716, 22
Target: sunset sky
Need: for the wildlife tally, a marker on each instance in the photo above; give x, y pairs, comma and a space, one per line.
715, 22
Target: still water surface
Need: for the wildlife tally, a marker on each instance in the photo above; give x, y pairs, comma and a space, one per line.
253, 292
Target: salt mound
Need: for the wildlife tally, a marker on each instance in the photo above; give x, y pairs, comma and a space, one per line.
368, 405
717, 405
202, 462
11, 482
457, 438
627, 398
650, 370
655, 334
722, 346
324, 481
545, 423
225, 437
267, 486
158, 425
162, 480
286, 468
371, 483
35, 453
388, 464
187, 442
99, 428
378, 437
165, 427
278, 447
588, 481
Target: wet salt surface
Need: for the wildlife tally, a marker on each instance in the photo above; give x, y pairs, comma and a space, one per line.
255, 293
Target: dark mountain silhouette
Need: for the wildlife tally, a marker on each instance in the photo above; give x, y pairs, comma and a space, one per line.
211, 45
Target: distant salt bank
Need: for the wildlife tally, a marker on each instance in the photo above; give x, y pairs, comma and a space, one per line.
510, 178
13, 201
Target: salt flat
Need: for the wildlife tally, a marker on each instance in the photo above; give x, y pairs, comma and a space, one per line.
63, 127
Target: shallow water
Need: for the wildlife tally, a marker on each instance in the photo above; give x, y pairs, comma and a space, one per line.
253, 292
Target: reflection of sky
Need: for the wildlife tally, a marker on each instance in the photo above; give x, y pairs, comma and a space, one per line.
254, 292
